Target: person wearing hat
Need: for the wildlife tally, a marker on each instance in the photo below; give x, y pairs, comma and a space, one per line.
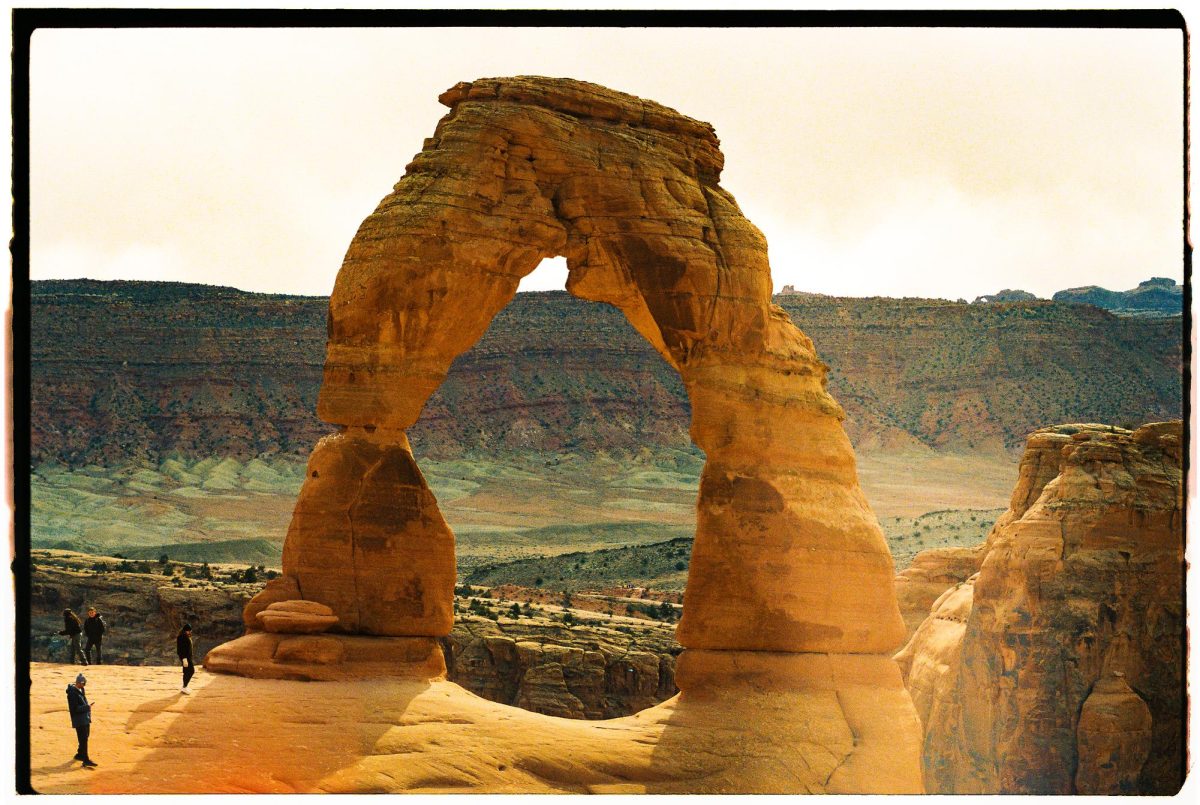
72, 628
81, 718
183, 647
94, 628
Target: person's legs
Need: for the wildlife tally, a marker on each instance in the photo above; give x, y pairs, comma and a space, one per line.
87, 649
188, 671
82, 734
77, 650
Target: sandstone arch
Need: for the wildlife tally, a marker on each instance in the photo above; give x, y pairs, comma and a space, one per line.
787, 554
789, 608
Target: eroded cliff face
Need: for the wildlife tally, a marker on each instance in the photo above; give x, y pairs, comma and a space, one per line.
1058, 667
573, 673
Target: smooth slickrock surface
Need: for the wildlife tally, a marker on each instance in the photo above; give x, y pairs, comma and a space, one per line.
788, 556
835, 733
1082, 581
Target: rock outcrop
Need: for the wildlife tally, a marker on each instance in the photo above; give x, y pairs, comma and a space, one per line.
578, 673
1058, 667
789, 584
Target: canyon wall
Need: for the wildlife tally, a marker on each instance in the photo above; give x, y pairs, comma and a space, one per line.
124, 370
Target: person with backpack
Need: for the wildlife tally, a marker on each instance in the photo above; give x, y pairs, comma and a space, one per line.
81, 718
94, 627
183, 647
73, 628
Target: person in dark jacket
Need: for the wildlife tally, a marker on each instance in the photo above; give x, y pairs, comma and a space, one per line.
72, 628
94, 627
183, 647
81, 718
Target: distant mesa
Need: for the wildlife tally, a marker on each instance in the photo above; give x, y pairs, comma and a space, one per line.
1157, 296
789, 595
1007, 295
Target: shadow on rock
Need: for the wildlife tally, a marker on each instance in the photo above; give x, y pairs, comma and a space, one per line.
239, 735
144, 712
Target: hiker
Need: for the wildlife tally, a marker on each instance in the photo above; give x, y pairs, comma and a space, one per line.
72, 628
94, 628
183, 647
81, 718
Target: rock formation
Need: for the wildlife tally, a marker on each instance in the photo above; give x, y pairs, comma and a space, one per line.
1058, 667
789, 584
578, 673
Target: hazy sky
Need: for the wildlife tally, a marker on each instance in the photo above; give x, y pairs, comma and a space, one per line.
899, 162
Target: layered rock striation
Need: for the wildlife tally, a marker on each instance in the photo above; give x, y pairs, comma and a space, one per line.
789, 585
133, 370
1058, 667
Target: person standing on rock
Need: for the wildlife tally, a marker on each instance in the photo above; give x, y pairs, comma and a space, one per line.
183, 647
81, 718
72, 628
94, 628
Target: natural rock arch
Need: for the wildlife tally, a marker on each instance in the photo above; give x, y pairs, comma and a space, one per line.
787, 556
